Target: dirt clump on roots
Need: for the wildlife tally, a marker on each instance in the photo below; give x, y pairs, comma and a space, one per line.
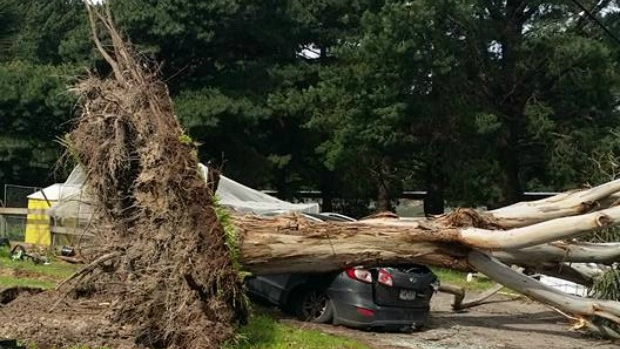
162, 275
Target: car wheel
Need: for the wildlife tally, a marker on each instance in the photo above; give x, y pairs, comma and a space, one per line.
314, 306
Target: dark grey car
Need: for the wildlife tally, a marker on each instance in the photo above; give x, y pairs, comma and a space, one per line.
388, 297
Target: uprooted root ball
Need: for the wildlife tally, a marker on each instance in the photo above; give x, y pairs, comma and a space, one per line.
172, 278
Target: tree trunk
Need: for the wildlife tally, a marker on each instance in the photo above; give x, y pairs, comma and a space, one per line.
510, 102
434, 199
384, 188
533, 235
509, 163
295, 244
327, 190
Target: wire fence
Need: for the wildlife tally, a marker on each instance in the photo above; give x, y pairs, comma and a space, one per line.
15, 196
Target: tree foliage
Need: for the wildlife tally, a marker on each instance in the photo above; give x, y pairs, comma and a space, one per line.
473, 101
34, 109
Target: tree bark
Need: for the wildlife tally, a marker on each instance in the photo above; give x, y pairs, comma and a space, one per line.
565, 204
327, 190
434, 199
295, 244
463, 239
384, 187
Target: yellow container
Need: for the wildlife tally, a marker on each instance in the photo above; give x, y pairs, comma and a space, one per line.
38, 225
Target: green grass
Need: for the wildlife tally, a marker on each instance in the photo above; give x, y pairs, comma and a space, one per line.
11, 281
78, 347
458, 278
55, 269
265, 332
33, 275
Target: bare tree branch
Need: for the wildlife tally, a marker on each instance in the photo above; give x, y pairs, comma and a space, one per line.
582, 308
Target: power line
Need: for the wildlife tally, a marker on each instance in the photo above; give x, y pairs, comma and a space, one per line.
593, 17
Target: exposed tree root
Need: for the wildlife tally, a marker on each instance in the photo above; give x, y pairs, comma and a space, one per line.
173, 284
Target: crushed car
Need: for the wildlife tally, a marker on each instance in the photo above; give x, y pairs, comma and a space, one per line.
391, 298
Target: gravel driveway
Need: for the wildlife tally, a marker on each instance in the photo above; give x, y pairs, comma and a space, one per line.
510, 325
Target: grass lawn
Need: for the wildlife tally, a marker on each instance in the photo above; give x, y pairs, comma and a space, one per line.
54, 270
26, 273
458, 278
265, 332
11, 281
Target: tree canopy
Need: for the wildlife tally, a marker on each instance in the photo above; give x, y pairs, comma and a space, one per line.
474, 101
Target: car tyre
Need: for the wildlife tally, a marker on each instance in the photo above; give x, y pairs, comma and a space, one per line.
315, 306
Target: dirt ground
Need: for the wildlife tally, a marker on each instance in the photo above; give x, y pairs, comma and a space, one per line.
511, 325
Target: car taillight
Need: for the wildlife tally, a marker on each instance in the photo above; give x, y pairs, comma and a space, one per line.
385, 278
362, 275
365, 312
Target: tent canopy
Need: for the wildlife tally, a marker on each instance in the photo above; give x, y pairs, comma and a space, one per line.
72, 201
54, 192
241, 198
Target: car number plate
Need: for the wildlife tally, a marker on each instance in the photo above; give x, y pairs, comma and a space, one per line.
407, 295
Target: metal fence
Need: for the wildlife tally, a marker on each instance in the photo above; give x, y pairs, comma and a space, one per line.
15, 196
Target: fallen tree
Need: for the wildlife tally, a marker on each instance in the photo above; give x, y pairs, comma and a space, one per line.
141, 171
134, 169
444, 241
465, 239
164, 274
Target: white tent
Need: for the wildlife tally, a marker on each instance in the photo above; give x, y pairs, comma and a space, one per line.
240, 198
71, 209
53, 193
73, 202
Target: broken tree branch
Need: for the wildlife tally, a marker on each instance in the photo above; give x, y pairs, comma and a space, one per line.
557, 252
562, 205
582, 308
540, 233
